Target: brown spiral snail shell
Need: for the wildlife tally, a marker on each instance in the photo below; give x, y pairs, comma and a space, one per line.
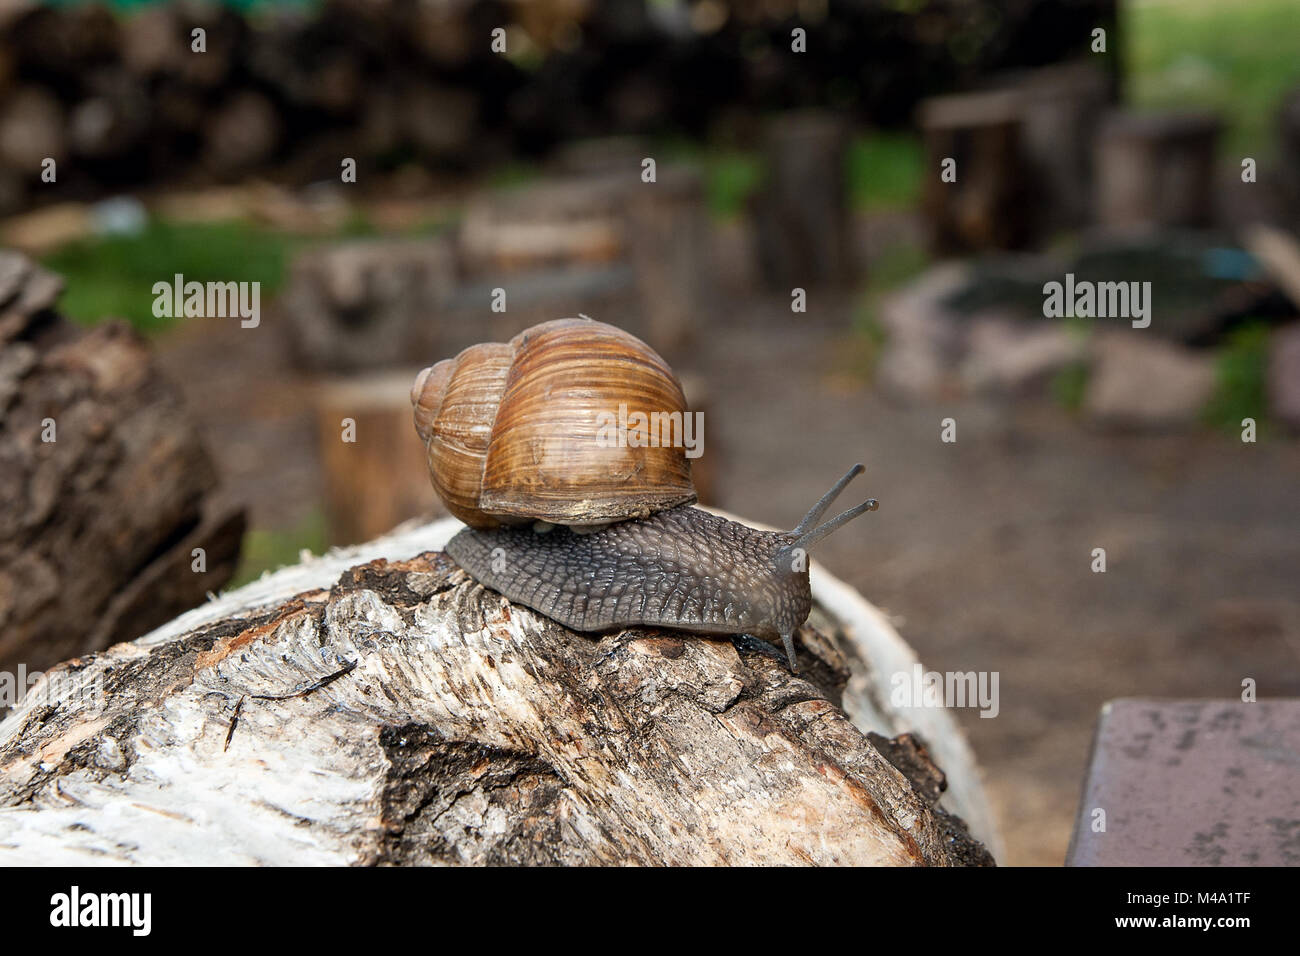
513, 431
518, 443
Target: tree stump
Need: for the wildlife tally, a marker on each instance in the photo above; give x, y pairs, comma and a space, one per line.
1061, 108
367, 303
985, 207
802, 212
1156, 169
667, 228
378, 478
376, 706
605, 244
106, 492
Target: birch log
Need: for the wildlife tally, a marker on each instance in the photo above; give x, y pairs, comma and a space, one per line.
376, 706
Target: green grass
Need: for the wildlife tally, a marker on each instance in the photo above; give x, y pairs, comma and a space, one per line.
1069, 386
1242, 375
884, 170
266, 550
1234, 56
513, 174
896, 266
114, 276
731, 176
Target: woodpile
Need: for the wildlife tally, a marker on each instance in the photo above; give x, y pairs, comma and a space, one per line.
605, 245
1156, 169
976, 184
1023, 148
367, 303
109, 521
126, 100
378, 707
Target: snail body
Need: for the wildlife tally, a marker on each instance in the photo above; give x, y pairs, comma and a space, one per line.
620, 556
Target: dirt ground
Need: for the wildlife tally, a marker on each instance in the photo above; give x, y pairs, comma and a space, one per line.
981, 550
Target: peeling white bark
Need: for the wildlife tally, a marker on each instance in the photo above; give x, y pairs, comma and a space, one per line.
460, 728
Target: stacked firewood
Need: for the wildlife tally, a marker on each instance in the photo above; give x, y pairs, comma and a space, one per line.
118, 100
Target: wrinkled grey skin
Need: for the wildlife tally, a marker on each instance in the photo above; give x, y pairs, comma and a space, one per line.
682, 568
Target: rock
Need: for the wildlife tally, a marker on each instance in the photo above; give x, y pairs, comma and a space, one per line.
924, 337
1011, 355
1284, 375
1141, 381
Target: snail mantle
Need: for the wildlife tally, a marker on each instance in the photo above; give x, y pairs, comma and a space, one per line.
377, 706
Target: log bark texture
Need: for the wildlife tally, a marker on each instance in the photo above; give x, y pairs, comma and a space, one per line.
376, 706
106, 490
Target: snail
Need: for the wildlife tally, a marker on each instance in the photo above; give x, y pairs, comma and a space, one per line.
592, 532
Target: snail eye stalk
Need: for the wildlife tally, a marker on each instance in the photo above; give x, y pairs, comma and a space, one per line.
808, 532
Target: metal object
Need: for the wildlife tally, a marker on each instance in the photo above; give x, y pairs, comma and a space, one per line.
1192, 783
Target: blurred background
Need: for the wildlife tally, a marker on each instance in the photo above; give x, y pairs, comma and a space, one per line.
824, 295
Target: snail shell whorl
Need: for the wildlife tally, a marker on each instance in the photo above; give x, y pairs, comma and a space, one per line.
514, 431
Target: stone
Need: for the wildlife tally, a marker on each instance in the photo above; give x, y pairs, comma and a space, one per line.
1191, 783
1284, 375
923, 336
1141, 381
1006, 354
